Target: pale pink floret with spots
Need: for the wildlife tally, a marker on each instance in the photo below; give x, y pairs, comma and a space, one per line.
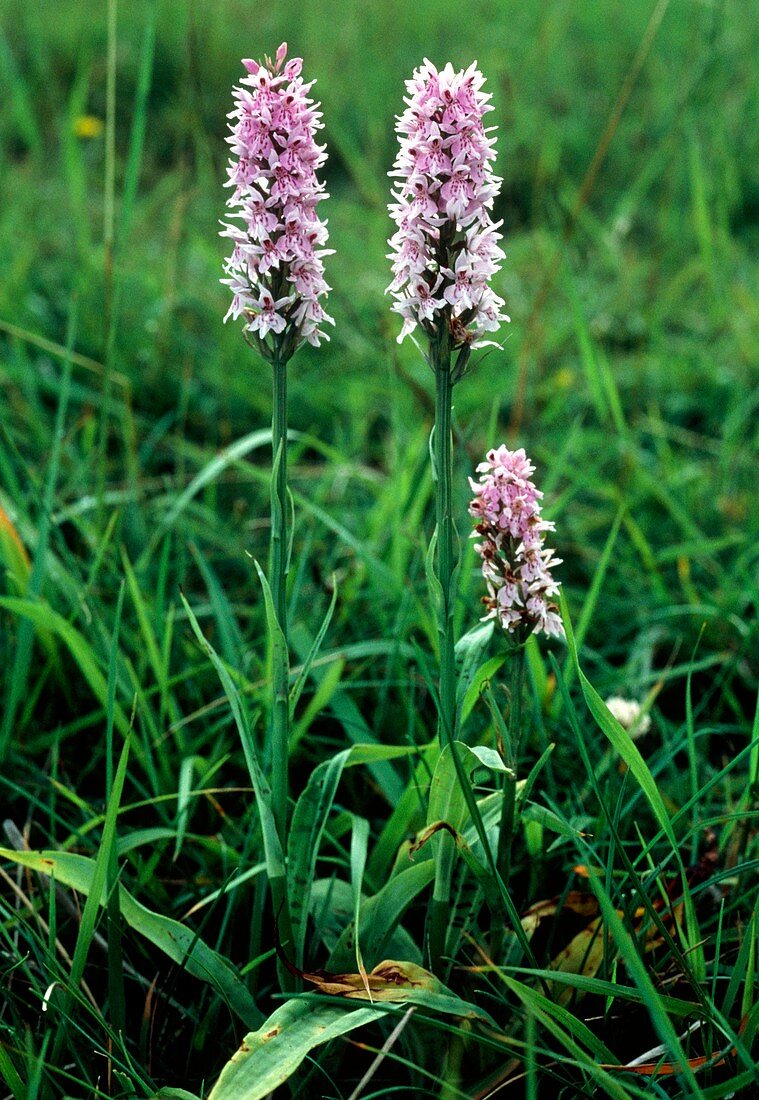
445, 192
275, 271
516, 566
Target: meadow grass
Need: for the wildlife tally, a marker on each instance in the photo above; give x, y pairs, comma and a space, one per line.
137, 940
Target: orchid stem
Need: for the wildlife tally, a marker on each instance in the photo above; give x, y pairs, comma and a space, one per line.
280, 715
508, 809
506, 832
446, 563
280, 670
446, 566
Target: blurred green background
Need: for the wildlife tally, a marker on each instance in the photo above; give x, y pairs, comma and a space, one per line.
657, 268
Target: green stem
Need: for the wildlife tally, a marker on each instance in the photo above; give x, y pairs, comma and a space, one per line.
280, 709
280, 715
506, 833
510, 758
446, 564
440, 354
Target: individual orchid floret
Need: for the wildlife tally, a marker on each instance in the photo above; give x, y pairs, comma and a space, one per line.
517, 567
276, 270
445, 250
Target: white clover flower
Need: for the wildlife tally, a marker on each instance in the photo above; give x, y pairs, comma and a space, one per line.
628, 714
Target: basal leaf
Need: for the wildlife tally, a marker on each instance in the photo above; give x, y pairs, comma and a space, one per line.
308, 823
268, 1057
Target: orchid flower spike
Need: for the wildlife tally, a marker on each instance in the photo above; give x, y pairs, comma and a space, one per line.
275, 270
517, 567
445, 250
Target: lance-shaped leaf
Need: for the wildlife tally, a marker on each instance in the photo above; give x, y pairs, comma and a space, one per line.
309, 821
183, 945
269, 1056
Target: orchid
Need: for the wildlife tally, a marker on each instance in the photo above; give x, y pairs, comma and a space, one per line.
446, 239
276, 270
275, 273
444, 253
517, 567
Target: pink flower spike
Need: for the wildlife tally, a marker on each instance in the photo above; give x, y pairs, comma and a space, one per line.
275, 271
442, 208
516, 565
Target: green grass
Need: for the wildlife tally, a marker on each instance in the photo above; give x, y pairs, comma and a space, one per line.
134, 487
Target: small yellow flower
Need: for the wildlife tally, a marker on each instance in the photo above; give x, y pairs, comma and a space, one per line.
88, 126
564, 378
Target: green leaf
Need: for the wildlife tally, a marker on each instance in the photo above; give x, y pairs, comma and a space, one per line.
601, 988
447, 801
99, 890
480, 872
590, 602
434, 587
272, 847
326, 687
463, 785
280, 658
13, 555
381, 915
116, 993
349, 716
179, 943
619, 737
524, 789
300, 681
306, 828
549, 820
571, 1032
230, 638
639, 974
139, 116
174, 1094
184, 797
472, 671
406, 816
629, 753
481, 676
331, 909
537, 668
151, 647
359, 845
10, 1076
268, 1057
469, 650
332, 906
308, 823
277, 514
22, 657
